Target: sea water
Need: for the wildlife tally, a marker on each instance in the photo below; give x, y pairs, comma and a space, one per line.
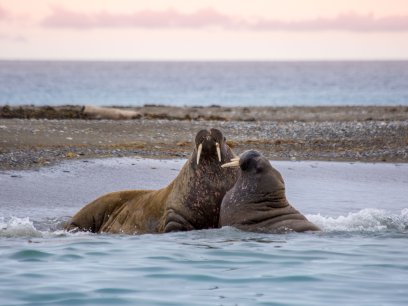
360, 257
204, 83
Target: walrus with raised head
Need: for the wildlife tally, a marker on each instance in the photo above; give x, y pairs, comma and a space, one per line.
257, 202
191, 201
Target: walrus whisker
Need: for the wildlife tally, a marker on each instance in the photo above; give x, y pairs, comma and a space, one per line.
234, 163
200, 148
217, 145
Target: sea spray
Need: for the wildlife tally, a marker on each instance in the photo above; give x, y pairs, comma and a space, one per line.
17, 227
365, 220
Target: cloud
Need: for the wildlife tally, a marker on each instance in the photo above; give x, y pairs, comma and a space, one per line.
170, 18
204, 18
4, 14
343, 22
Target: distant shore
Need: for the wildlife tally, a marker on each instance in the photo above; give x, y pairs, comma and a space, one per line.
219, 113
33, 136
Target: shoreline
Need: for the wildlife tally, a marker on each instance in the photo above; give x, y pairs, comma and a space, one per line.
212, 113
363, 134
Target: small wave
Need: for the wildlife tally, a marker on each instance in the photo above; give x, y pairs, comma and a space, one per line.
15, 227
365, 220
18, 227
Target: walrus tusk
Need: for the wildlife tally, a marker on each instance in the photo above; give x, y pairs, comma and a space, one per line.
200, 148
217, 146
233, 163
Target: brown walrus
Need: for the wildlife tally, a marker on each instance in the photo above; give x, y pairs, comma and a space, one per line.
191, 201
257, 202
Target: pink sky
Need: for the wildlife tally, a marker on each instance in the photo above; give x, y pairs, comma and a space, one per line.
206, 29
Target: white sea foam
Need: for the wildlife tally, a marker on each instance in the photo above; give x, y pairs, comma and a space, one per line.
18, 227
365, 220
15, 227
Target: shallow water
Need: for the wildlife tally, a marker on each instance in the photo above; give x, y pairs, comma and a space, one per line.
360, 258
204, 83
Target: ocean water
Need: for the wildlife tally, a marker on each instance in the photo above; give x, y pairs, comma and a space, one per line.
204, 83
360, 257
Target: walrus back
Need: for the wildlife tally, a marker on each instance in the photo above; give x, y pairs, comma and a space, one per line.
94, 215
141, 214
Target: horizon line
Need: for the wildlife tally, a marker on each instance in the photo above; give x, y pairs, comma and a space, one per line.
203, 60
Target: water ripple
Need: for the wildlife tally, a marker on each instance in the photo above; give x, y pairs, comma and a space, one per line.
30, 255
180, 269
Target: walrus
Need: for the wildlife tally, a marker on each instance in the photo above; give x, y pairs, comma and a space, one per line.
257, 202
191, 201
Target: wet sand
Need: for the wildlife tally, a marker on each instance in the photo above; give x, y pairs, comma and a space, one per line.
367, 134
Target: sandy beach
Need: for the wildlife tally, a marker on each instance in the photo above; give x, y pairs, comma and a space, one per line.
37, 136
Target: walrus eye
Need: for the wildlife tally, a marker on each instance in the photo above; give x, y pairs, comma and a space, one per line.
258, 169
250, 164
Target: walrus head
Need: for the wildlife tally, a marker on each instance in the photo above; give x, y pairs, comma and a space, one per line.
201, 185
258, 188
210, 144
257, 202
257, 168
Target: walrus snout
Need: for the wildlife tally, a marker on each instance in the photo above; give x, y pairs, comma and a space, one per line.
209, 142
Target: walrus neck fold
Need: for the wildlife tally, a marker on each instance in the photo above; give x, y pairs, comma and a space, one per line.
276, 199
261, 190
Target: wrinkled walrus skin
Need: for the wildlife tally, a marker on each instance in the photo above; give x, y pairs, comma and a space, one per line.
257, 202
191, 201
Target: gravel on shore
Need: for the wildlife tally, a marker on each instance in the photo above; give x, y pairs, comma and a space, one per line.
28, 143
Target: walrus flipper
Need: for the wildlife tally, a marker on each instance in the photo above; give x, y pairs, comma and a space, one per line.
175, 222
93, 216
